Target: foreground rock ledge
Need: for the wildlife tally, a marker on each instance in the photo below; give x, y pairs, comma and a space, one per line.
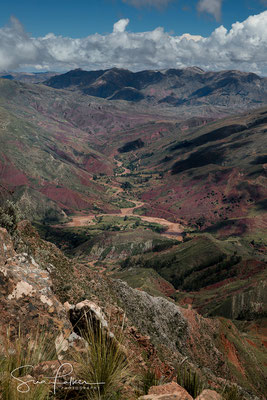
170, 391
173, 391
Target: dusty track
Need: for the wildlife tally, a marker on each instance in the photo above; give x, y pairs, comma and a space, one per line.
126, 170
174, 230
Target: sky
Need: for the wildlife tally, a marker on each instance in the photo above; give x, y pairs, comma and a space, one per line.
60, 35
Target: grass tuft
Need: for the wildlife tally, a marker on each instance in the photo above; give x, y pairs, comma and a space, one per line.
231, 393
104, 361
17, 356
149, 378
190, 381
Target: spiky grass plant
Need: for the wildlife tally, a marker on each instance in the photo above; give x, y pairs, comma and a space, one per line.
104, 362
231, 393
148, 379
190, 381
17, 356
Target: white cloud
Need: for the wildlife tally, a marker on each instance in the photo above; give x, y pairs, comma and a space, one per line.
212, 7
145, 3
16, 47
121, 25
196, 38
243, 47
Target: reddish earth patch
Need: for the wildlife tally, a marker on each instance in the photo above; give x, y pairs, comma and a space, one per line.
244, 270
164, 287
232, 354
251, 343
66, 197
219, 284
187, 300
95, 165
259, 331
213, 197
249, 268
11, 176
86, 179
200, 331
241, 225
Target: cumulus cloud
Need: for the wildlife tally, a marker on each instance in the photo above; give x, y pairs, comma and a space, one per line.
16, 47
121, 25
212, 7
145, 3
242, 47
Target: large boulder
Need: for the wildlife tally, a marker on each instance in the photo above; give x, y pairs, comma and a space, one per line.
174, 396
173, 391
83, 313
208, 394
169, 391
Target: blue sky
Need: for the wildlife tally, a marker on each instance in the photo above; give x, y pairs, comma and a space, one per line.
79, 18
135, 34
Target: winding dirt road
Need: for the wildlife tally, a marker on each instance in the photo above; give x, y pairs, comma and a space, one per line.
173, 230
126, 170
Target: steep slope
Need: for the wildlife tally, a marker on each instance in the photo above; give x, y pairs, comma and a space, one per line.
53, 143
212, 179
214, 175
196, 179
29, 157
217, 277
155, 326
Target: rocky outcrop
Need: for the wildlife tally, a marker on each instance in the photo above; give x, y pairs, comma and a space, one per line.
6, 246
183, 395
209, 395
84, 313
173, 391
66, 285
170, 391
27, 301
154, 316
181, 334
30, 295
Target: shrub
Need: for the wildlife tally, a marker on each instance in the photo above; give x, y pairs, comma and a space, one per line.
9, 216
126, 185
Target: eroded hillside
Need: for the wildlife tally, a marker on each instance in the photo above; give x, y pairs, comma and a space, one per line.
148, 206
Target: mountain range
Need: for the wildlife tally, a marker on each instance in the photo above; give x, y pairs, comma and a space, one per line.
179, 88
